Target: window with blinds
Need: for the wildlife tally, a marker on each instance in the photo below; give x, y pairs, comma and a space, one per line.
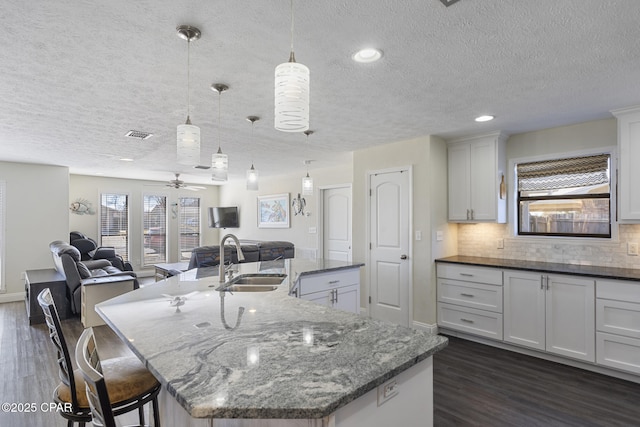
3, 192
565, 197
189, 223
154, 220
114, 222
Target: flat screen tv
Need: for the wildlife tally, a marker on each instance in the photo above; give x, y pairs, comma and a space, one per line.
224, 217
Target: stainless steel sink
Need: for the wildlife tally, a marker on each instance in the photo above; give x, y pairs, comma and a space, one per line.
253, 283
251, 288
258, 280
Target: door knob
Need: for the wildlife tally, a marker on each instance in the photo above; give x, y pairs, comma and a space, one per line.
403, 256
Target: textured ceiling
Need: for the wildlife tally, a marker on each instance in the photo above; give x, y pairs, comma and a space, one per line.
75, 76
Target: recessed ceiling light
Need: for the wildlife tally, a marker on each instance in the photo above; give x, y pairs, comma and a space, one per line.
484, 118
367, 55
125, 159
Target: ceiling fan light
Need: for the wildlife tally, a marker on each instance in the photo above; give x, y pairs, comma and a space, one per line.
188, 144
252, 179
307, 185
291, 97
481, 119
219, 166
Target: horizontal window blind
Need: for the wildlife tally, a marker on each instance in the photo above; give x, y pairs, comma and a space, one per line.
155, 229
114, 222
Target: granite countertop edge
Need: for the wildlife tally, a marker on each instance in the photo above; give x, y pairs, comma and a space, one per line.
603, 272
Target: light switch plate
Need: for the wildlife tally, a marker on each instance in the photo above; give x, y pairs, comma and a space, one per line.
632, 248
500, 243
439, 236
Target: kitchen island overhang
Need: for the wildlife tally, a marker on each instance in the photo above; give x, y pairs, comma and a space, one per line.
262, 355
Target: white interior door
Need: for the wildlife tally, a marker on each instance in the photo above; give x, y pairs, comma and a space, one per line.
336, 211
389, 261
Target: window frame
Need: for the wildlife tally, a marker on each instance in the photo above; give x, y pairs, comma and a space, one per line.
180, 220
166, 228
127, 252
514, 211
3, 234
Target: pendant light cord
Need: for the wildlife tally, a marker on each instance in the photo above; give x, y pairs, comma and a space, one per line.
292, 26
219, 118
188, 80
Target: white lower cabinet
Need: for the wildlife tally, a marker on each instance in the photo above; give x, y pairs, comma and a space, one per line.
470, 299
618, 324
340, 289
554, 313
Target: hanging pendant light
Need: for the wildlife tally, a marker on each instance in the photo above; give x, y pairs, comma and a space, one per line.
307, 181
252, 174
219, 161
188, 135
291, 93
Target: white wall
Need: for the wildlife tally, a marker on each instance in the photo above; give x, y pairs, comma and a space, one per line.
234, 193
37, 213
417, 153
90, 187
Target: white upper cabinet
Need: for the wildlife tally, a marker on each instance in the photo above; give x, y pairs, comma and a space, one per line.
629, 156
476, 167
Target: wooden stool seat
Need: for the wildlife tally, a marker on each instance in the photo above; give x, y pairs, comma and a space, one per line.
126, 377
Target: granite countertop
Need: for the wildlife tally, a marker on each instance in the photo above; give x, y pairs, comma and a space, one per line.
551, 267
261, 354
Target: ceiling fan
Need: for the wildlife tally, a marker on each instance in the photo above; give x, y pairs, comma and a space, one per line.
178, 183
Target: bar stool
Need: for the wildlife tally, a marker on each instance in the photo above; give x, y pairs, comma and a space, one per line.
130, 384
89, 365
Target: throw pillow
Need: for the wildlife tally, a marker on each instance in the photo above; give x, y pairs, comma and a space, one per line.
83, 270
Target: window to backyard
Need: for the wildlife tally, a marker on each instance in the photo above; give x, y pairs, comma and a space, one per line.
565, 197
189, 226
114, 222
154, 218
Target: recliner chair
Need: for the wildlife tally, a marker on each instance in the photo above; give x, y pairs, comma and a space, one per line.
89, 250
67, 261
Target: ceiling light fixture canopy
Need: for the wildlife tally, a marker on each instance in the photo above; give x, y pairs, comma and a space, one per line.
252, 174
307, 181
219, 161
188, 135
291, 93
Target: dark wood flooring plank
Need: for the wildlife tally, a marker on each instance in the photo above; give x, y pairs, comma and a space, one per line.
479, 385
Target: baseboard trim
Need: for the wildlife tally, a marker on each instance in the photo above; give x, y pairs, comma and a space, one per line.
432, 329
12, 297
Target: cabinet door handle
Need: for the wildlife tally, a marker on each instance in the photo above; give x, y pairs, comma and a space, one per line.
471, 213
468, 216
466, 274
542, 282
467, 295
333, 282
547, 282
467, 320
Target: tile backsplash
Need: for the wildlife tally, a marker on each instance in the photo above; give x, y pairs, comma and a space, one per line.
483, 240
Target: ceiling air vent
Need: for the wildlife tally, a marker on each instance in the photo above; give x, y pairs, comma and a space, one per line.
138, 134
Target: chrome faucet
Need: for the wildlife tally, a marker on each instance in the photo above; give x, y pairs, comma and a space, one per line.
240, 254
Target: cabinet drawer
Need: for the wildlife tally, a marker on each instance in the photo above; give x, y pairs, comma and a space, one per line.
470, 320
468, 273
469, 294
620, 290
323, 281
618, 317
618, 352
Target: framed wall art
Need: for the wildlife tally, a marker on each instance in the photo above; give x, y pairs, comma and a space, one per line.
273, 211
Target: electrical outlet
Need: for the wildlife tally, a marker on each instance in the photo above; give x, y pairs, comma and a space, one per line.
439, 236
632, 248
418, 235
500, 243
387, 390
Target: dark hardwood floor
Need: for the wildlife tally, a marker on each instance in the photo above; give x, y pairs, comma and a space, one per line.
479, 385
474, 384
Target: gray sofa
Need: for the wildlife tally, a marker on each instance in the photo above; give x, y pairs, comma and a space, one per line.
66, 259
253, 251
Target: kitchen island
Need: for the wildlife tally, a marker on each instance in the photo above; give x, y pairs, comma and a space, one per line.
269, 359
